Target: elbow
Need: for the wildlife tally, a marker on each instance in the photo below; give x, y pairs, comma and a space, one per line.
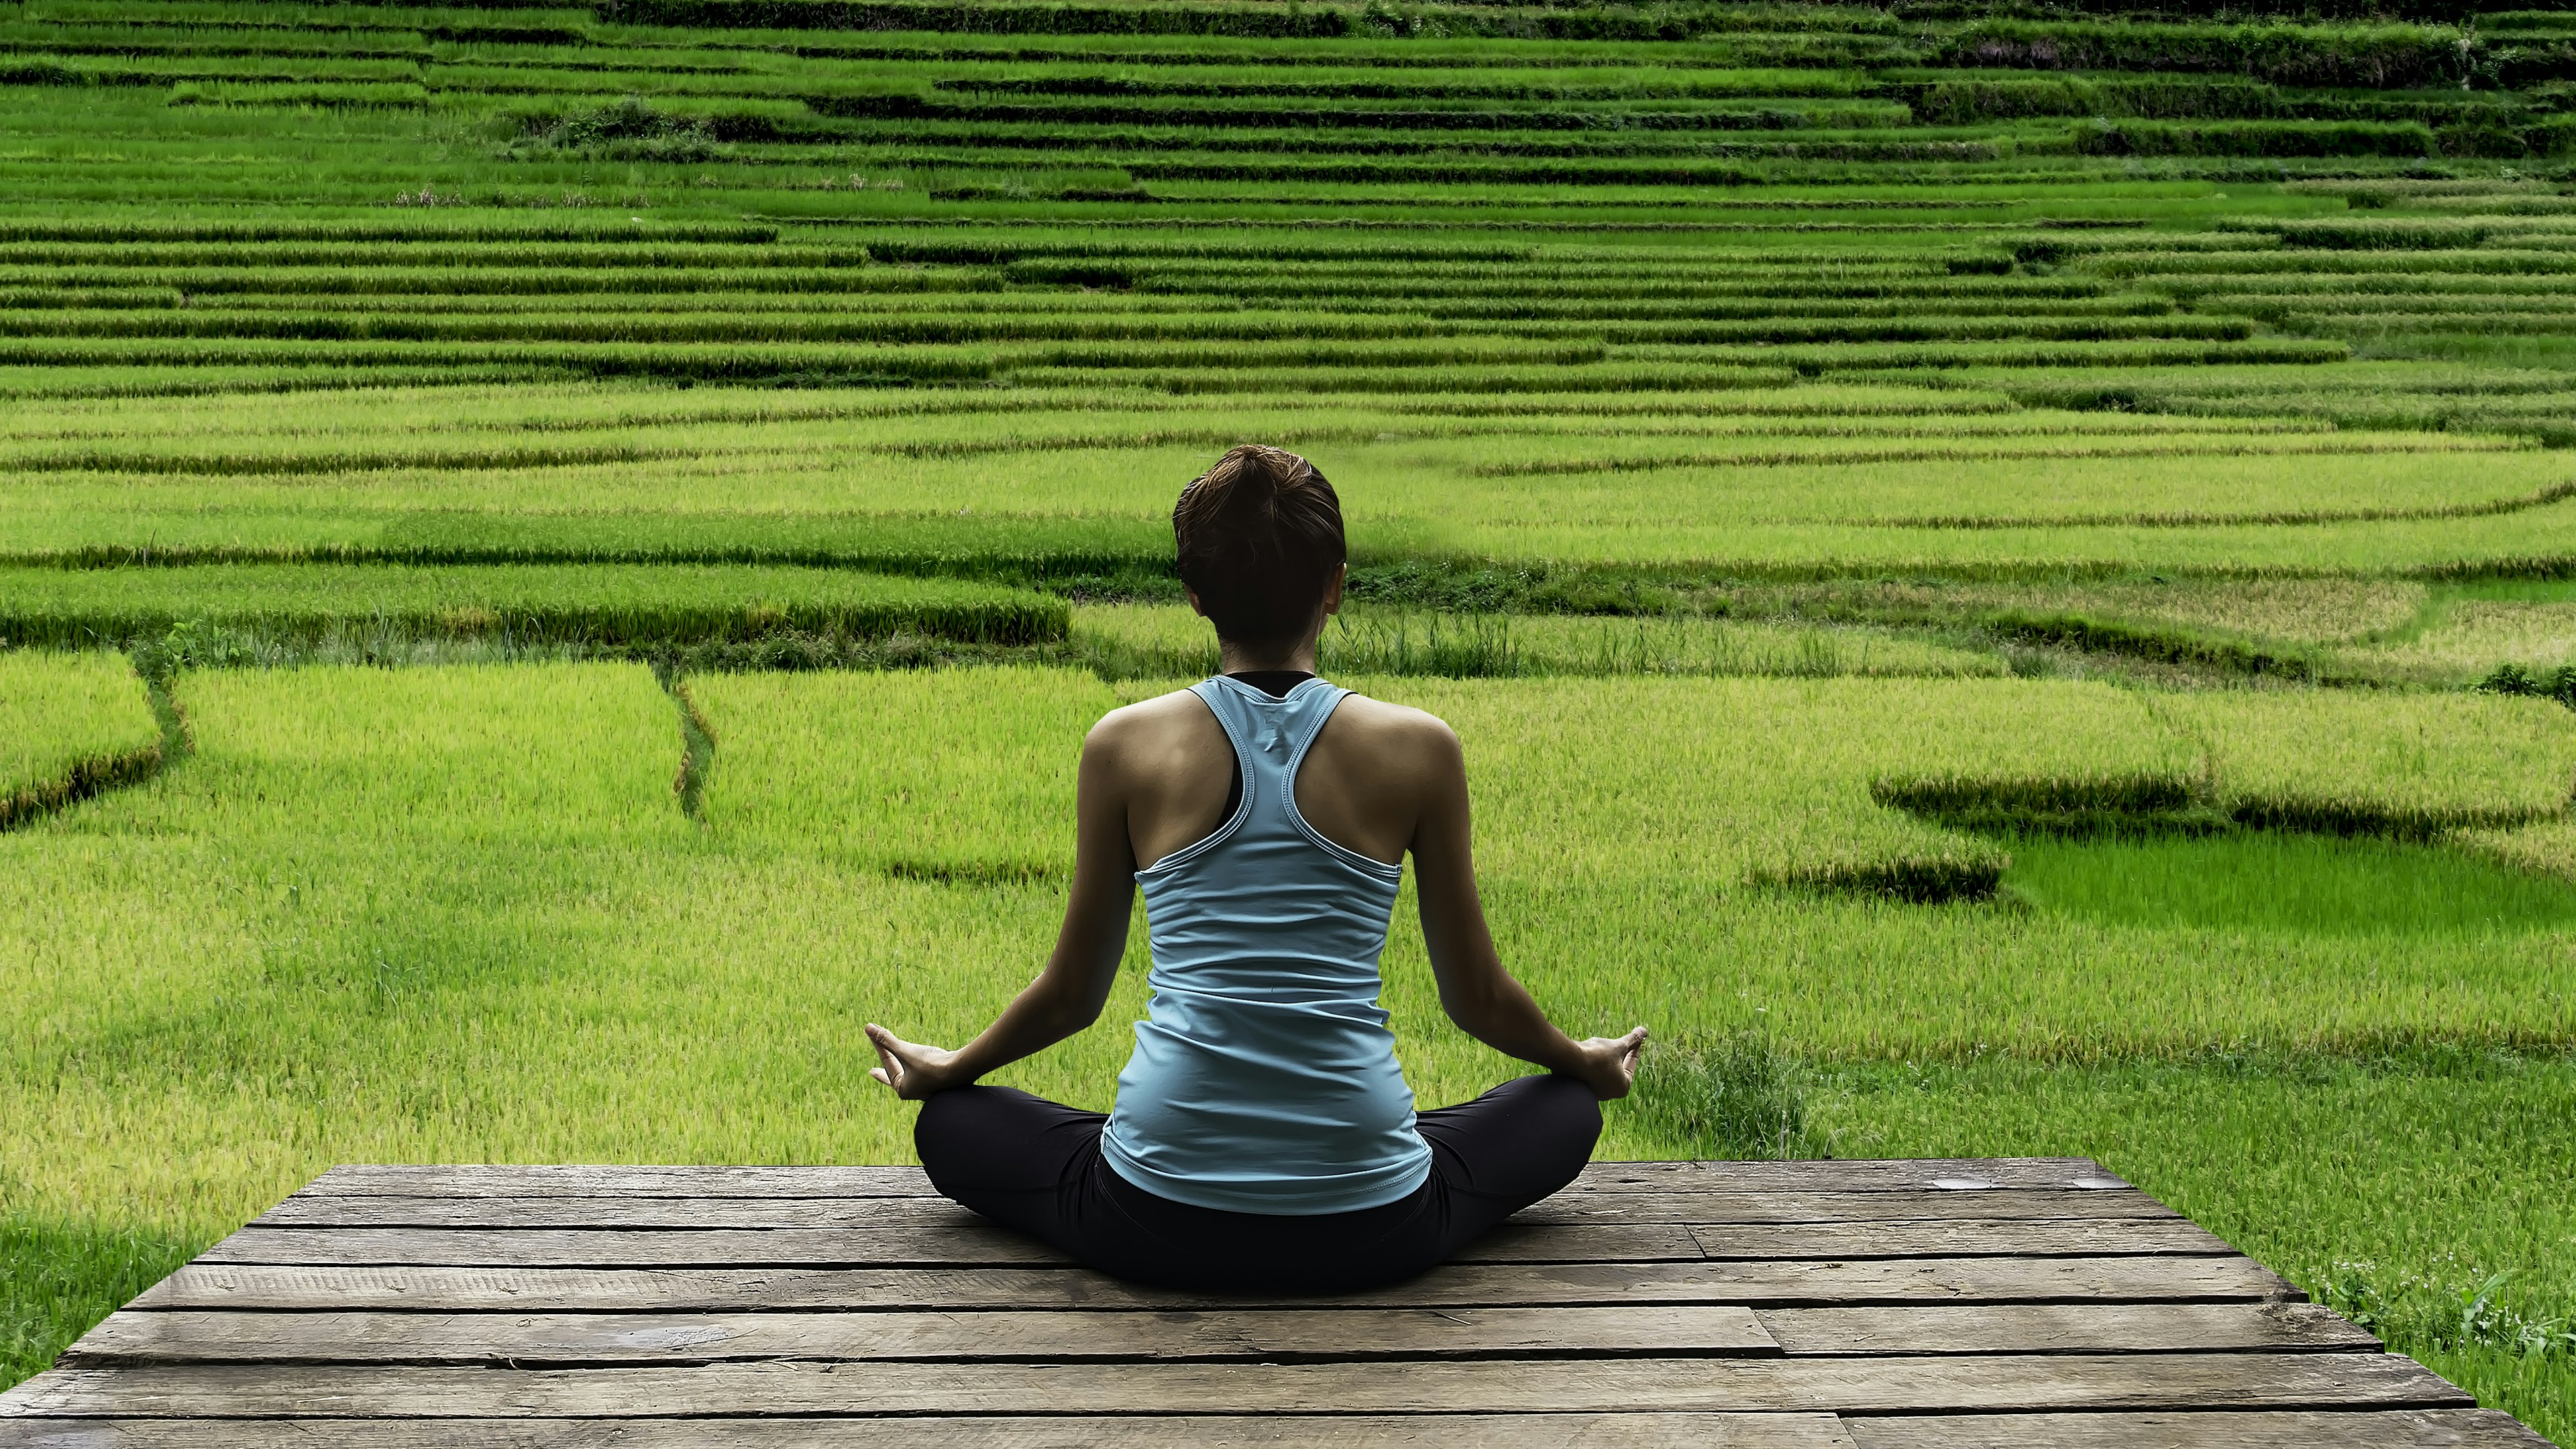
1470, 1007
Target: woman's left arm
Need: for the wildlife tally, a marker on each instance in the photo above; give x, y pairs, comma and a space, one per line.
1068, 995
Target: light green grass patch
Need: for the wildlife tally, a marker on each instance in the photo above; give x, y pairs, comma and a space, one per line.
2411, 764
2467, 638
2547, 848
70, 724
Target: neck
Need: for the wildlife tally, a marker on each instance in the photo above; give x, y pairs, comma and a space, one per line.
1233, 658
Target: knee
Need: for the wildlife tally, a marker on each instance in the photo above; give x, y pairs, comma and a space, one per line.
1559, 1122
1569, 1117
948, 1122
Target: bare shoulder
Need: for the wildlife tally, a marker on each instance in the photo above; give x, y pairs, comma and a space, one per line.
1149, 729
1397, 729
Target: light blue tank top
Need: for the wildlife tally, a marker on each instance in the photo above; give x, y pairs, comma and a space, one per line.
1265, 1080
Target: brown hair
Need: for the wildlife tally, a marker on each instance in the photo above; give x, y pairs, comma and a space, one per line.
1259, 534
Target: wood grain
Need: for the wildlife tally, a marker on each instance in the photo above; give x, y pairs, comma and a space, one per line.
608, 1180
614, 1290
1812, 1305
1919, 1238
1796, 1206
2064, 1328
302, 1211
604, 1180
1336, 1431
977, 1243
1574, 1205
2004, 1383
2397, 1429
972, 1243
529, 1340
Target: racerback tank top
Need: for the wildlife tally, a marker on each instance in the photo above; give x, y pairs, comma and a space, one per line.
1265, 1080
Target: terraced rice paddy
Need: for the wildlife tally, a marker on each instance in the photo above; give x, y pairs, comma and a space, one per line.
553, 560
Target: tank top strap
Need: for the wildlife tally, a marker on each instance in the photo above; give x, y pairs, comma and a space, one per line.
1270, 737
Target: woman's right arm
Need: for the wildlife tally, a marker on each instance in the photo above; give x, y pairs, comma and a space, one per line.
1485, 1000
1070, 992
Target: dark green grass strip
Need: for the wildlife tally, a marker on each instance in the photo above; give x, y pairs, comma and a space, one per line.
2271, 881
59, 1276
1998, 451
1919, 880
609, 605
936, 545
2554, 493
2172, 807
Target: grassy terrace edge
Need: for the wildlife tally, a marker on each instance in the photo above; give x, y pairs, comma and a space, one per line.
611, 604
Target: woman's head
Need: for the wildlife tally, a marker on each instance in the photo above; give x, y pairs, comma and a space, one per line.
1260, 538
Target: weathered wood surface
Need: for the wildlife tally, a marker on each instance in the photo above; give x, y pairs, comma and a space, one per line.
2396, 1429
2065, 1328
977, 1243
1894, 1175
535, 1339
1335, 1431
1835, 1305
608, 1338
2002, 1383
1894, 1281
1574, 1205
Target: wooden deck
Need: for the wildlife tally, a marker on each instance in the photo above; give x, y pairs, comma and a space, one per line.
1860, 1305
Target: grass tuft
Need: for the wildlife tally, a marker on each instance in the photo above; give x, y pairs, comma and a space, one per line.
1739, 1096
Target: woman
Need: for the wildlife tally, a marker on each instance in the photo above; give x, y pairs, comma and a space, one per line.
1264, 1137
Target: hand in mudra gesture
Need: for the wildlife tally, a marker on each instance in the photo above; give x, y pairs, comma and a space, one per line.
1610, 1063
913, 1070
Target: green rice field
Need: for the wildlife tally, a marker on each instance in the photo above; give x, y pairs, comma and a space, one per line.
2007, 573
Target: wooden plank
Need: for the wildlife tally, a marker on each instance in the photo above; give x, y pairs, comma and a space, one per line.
1796, 1206
1337, 1431
603, 1180
973, 1243
1999, 1384
1922, 1239
1574, 1205
534, 1340
970, 1244
2386, 1429
303, 1211
976, 1243
612, 1290
618, 1180
2064, 1328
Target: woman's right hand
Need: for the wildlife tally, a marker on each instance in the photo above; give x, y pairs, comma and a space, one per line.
913, 1070
1609, 1063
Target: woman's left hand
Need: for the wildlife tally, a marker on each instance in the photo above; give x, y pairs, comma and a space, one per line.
913, 1070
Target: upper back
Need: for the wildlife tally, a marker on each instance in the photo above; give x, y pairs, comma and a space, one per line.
1362, 783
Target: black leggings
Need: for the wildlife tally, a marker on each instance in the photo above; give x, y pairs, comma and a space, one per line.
1035, 1165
